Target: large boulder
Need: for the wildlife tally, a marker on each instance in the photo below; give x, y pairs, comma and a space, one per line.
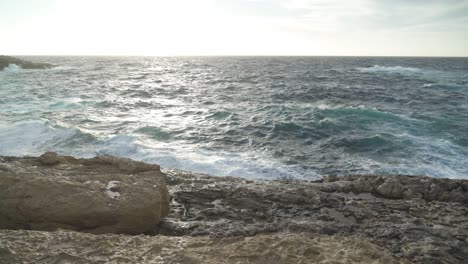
99, 195
5, 61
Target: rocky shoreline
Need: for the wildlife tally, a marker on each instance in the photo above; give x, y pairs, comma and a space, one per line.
5, 61
351, 219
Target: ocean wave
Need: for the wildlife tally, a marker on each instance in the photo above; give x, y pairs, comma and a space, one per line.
64, 105
221, 115
136, 93
12, 68
33, 138
438, 79
362, 113
403, 154
391, 69
378, 153
322, 111
36, 137
185, 157
323, 117
361, 154
155, 133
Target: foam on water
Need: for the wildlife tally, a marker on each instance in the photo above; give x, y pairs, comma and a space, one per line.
253, 117
36, 137
12, 68
33, 138
439, 79
392, 69
186, 157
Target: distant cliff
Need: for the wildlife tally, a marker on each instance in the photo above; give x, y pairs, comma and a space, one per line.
7, 60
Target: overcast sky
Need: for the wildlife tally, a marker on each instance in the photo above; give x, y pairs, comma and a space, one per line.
234, 27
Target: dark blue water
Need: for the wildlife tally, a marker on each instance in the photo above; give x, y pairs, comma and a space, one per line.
257, 117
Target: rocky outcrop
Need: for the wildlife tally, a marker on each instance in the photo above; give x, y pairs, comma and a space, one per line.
100, 195
5, 61
422, 219
74, 247
400, 187
350, 219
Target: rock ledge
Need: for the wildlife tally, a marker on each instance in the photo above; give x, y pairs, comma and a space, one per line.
99, 195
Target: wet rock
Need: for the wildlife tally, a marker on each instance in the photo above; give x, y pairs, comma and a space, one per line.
101, 195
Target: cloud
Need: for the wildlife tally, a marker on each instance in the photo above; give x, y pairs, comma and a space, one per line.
352, 15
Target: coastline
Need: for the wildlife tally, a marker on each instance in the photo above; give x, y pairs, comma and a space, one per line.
368, 218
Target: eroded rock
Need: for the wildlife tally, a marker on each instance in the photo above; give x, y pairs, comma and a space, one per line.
73, 247
100, 195
50, 158
421, 219
400, 187
391, 188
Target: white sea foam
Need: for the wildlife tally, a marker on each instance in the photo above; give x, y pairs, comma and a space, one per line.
12, 68
392, 69
35, 137
193, 123
437, 78
31, 137
185, 157
437, 158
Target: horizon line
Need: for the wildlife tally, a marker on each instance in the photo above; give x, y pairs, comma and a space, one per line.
221, 55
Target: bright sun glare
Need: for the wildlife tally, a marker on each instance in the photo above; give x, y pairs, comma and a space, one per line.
232, 27
149, 28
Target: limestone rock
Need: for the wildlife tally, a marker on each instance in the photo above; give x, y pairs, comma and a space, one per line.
100, 195
391, 188
420, 219
49, 158
400, 187
404, 214
74, 247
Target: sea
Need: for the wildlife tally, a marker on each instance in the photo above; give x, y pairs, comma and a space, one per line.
252, 117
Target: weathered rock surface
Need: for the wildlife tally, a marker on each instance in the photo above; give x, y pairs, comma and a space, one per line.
401, 187
351, 219
100, 195
7, 60
421, 219
73, 247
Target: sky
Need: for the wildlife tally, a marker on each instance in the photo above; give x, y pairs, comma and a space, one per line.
234, 27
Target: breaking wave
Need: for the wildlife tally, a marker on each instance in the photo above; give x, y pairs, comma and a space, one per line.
12, 68
252, 117
392, 69
32, 138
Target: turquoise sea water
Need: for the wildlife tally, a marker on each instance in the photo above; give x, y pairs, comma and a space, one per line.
255, 117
